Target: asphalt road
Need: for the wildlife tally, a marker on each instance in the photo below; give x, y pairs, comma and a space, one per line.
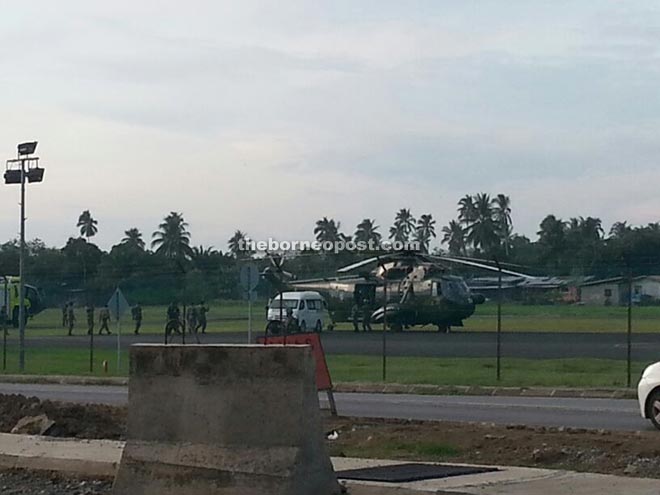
533, 345
577, 413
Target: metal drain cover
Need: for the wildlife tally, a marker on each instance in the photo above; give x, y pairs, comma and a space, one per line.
402, 473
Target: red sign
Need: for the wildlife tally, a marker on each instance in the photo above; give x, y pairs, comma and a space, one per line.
313, 340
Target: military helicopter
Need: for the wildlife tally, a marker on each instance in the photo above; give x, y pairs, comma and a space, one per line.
406, 288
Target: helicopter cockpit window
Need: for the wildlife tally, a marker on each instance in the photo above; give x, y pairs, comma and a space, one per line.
456, 290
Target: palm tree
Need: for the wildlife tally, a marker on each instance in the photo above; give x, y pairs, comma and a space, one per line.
238, 244
425, 232
502, 214
367, 231
87, 224
482, 232
619, 230
327, 230
404, 225
552, 233
454, 237
201, 252
133, 238
466, 210
172, 240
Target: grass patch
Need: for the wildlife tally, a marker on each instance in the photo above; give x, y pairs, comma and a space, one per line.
482, 371
231, 316
393, 449
345, 368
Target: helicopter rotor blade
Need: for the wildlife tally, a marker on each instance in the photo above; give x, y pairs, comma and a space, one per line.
484, 267
359, 264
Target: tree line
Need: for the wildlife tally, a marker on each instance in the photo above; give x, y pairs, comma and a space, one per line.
168, 266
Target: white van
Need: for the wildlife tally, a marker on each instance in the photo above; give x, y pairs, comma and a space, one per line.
309, 308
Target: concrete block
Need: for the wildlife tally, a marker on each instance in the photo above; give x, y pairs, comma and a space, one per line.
225, 420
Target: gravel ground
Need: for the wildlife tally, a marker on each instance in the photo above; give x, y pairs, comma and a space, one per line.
29, 483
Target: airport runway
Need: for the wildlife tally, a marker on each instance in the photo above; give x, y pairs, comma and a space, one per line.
532, 345
608, 414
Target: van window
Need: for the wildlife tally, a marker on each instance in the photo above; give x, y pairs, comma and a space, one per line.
286, 303
314, 304
302, 304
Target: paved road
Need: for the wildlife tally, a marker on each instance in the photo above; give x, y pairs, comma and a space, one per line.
577, 413
646, 347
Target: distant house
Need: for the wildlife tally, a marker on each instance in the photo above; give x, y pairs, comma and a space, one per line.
614, 291
547, 289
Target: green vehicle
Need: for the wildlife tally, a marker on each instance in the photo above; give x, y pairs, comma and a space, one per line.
10, 300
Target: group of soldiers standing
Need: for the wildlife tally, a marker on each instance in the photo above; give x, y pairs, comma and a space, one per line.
195, 318
362, 312
69, 318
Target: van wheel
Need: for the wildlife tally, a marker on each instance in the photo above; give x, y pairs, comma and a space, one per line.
303, 326
319, 327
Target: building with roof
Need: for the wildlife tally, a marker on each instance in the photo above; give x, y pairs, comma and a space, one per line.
614, 291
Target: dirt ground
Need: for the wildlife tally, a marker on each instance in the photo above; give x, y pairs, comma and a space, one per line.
71, 420
599, 451
17, 482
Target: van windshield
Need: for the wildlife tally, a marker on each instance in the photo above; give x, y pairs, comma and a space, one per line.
286, 303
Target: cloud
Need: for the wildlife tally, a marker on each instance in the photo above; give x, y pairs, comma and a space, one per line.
266, 116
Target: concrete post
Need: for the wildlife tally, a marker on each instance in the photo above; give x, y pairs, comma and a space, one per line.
225, 420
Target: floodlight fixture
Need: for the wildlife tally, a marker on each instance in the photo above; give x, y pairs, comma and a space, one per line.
12, 177
27, 148
35, 174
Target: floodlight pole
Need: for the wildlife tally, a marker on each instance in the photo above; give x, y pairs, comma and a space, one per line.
21, 278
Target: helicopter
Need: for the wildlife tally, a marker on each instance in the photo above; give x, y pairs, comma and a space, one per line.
406, 288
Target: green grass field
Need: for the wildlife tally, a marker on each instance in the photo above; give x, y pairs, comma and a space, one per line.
343, 368
231, 316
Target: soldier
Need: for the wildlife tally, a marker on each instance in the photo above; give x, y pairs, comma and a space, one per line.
90, 318
65, 312
192, 319
366, 316
104, 319
70, 318
136, 313
354, 316
173, 321
201, 316
291, 322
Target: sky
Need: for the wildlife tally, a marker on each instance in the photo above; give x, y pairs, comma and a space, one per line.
265, 116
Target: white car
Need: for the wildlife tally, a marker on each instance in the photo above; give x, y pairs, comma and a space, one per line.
648, 393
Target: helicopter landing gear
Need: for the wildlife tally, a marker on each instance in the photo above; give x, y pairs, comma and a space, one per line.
444, 328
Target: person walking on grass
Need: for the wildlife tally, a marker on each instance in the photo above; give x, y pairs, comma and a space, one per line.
71, 318
136, 313
201, 316
104, 319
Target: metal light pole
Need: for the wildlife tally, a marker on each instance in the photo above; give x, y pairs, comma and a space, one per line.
17, 173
